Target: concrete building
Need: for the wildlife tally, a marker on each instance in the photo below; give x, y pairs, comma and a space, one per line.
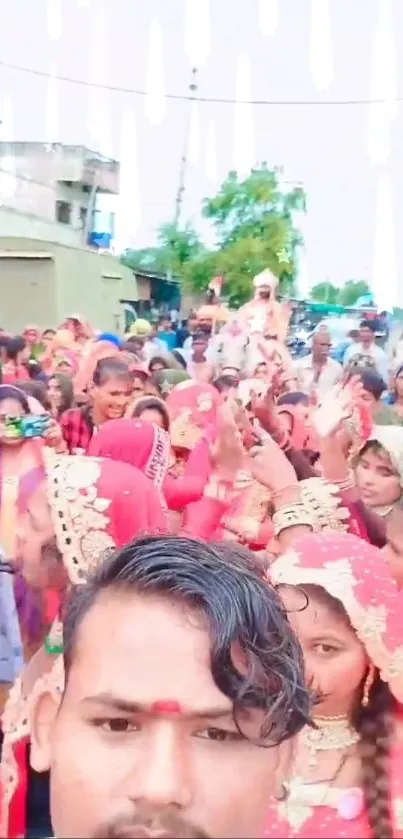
55, 183
46, 268
42, 282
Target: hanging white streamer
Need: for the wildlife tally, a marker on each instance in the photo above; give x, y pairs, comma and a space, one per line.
128, 204
320, 49
52, 106
268, 16
155, 98
211, 154
384, 275
98, 116
194, 133
383, 86
8, 181
197, 31
244, 133
54, 19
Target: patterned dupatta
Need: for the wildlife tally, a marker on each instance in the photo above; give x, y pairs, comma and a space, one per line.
354, 573
96, 505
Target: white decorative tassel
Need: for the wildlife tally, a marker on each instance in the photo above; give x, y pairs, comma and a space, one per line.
383, 86
128, 204
8, 180
384, 275
244, 134
52, 107
268, 16
211, 155
155, 98
320, 52
197, 31
98, 118
54, 19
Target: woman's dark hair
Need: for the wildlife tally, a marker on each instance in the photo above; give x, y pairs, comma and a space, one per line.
372, 382
238, 607
131, 345
368, 324
11, 392
110, 368
225, 382
14, 347
34, 369
162, 363
374, 724
152, 403
66, 390
393, 389
295, 397
179, 358
49, 332
375, 447
38, 391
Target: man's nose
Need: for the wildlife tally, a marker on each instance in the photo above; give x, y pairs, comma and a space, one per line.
163, 779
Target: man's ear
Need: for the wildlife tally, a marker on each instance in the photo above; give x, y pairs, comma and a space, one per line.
44, 716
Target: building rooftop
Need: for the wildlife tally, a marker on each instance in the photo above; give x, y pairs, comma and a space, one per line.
82, 151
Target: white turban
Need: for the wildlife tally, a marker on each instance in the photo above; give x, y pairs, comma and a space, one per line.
265, 278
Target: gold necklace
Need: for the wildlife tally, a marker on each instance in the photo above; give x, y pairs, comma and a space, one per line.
330, 734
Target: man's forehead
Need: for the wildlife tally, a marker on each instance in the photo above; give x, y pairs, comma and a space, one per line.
167, 647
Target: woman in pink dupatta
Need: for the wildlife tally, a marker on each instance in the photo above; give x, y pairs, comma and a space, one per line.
147, 447
347, 777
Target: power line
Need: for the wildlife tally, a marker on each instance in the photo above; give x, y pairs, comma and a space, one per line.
53, 187
203, 99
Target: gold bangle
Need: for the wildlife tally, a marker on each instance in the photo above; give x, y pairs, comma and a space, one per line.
346, 483
294, 515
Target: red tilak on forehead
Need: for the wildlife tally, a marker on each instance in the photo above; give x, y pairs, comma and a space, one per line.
166, 706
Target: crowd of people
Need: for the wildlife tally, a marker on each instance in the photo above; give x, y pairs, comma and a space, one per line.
201, 580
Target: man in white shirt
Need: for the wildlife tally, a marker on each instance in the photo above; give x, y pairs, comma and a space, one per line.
367, 348
318, 373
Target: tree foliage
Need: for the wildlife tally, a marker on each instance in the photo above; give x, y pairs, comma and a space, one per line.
254, 225
174, 250
347, 295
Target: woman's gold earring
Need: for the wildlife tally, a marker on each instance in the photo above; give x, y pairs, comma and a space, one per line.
369, 681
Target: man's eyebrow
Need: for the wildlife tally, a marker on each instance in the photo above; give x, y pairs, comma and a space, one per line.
118, 703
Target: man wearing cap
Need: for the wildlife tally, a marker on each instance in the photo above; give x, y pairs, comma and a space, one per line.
264, 314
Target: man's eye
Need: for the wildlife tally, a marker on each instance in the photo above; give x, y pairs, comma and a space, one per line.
115, 725
219, 735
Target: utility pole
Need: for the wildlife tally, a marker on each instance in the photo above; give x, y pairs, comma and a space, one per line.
193, 87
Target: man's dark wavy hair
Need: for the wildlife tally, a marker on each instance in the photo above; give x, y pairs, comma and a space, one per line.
225, 584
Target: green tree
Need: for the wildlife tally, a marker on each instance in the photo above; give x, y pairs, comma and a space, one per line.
176, 248
253, 220
325, 293
352, 291
347, 295
254, 225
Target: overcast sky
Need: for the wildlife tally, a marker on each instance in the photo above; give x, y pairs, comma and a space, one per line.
325, 147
